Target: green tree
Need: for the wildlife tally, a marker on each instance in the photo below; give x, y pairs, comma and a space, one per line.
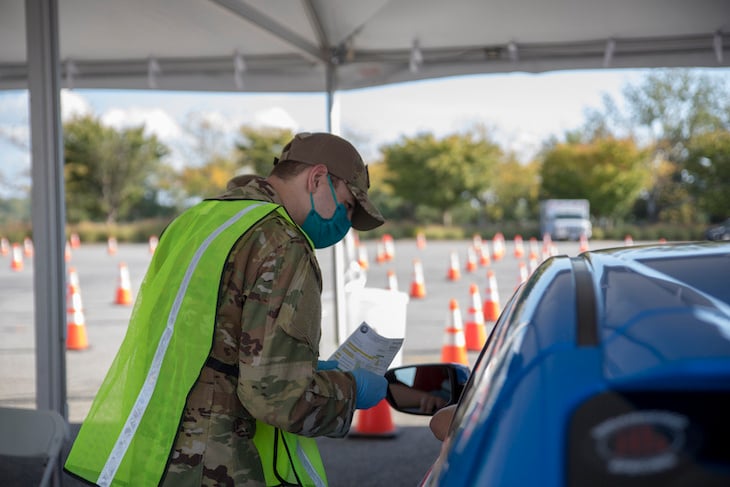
256, 148
515, 196
107, 171
441, 173
610, 173
673, 106
708, 173
209, 179
666, 111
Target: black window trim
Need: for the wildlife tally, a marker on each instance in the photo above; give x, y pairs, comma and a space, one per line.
585, 302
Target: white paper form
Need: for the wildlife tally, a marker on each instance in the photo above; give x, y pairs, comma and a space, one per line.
365, 349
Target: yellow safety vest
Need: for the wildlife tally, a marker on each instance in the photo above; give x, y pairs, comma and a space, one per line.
127, 436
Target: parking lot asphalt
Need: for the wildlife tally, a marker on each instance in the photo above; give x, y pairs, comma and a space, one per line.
401, 459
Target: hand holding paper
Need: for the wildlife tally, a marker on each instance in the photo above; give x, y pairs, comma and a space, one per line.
370, 388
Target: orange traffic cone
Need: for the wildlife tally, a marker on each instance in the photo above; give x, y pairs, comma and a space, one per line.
16, 263
389, 247
418, 286
73, 280
519, 247
28, 247
380, 256
152, 243
553, 250
491, 298
67, 252
421, 240
392, 284
124, 287
532, 263
584, 247
498, 246
111, 246
76, 338
375, 421
522, 276
4, 246
628, 241
483, 250
454, 347
534, 254
475, 330
546, 250
75, 241
362, 257
471, 260
453, 274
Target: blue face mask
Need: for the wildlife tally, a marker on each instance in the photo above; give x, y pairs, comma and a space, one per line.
326, 231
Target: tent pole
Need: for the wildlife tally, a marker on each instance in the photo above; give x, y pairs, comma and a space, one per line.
48, 212
338, 250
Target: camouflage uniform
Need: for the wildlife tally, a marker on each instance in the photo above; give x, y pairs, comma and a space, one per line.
268, 325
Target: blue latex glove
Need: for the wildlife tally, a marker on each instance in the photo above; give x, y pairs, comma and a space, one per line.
370, 388
327, 364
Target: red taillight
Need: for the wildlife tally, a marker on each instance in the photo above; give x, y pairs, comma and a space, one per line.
642, 438
641, 441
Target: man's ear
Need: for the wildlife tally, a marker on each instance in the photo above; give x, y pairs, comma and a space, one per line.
317, 175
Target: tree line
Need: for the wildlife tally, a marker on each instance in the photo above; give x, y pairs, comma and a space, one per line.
663, 156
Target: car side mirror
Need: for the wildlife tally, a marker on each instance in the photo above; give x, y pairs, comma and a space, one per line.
424, 389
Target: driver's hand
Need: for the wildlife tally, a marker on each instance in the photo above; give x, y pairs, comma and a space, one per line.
441, 421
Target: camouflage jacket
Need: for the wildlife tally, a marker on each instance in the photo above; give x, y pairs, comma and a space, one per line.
268, 325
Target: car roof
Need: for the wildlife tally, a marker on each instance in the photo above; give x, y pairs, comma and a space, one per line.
660, 308
703, 265
661, 324
647, 308
654, 307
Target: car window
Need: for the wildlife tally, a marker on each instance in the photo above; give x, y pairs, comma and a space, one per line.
547, 299
710, 274
473, 396
628, 296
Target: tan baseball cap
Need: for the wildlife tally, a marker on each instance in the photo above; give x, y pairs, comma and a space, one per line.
343, 161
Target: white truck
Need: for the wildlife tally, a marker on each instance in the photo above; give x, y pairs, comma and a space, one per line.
565, 219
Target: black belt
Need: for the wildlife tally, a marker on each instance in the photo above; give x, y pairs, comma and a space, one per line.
223, 368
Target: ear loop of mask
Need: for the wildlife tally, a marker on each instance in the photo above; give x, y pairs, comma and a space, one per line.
332, 190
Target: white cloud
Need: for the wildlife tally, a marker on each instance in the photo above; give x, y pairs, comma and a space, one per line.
156, 121
218, 120
73, 105
275, 117
13, 104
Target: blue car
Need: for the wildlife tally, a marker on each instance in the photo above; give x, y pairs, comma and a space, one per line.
609, 368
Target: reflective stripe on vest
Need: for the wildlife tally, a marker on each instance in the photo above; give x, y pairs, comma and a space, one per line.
288, 459
131, 426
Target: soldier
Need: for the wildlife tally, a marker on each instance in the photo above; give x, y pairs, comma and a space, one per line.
218, 380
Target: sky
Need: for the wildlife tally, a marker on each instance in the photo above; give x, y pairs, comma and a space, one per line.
522, 111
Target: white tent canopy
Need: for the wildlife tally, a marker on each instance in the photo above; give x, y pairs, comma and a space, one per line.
289, 46
295, 46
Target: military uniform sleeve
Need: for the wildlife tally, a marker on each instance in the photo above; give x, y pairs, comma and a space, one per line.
279, 342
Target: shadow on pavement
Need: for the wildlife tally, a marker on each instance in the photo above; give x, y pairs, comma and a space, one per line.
350, 461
